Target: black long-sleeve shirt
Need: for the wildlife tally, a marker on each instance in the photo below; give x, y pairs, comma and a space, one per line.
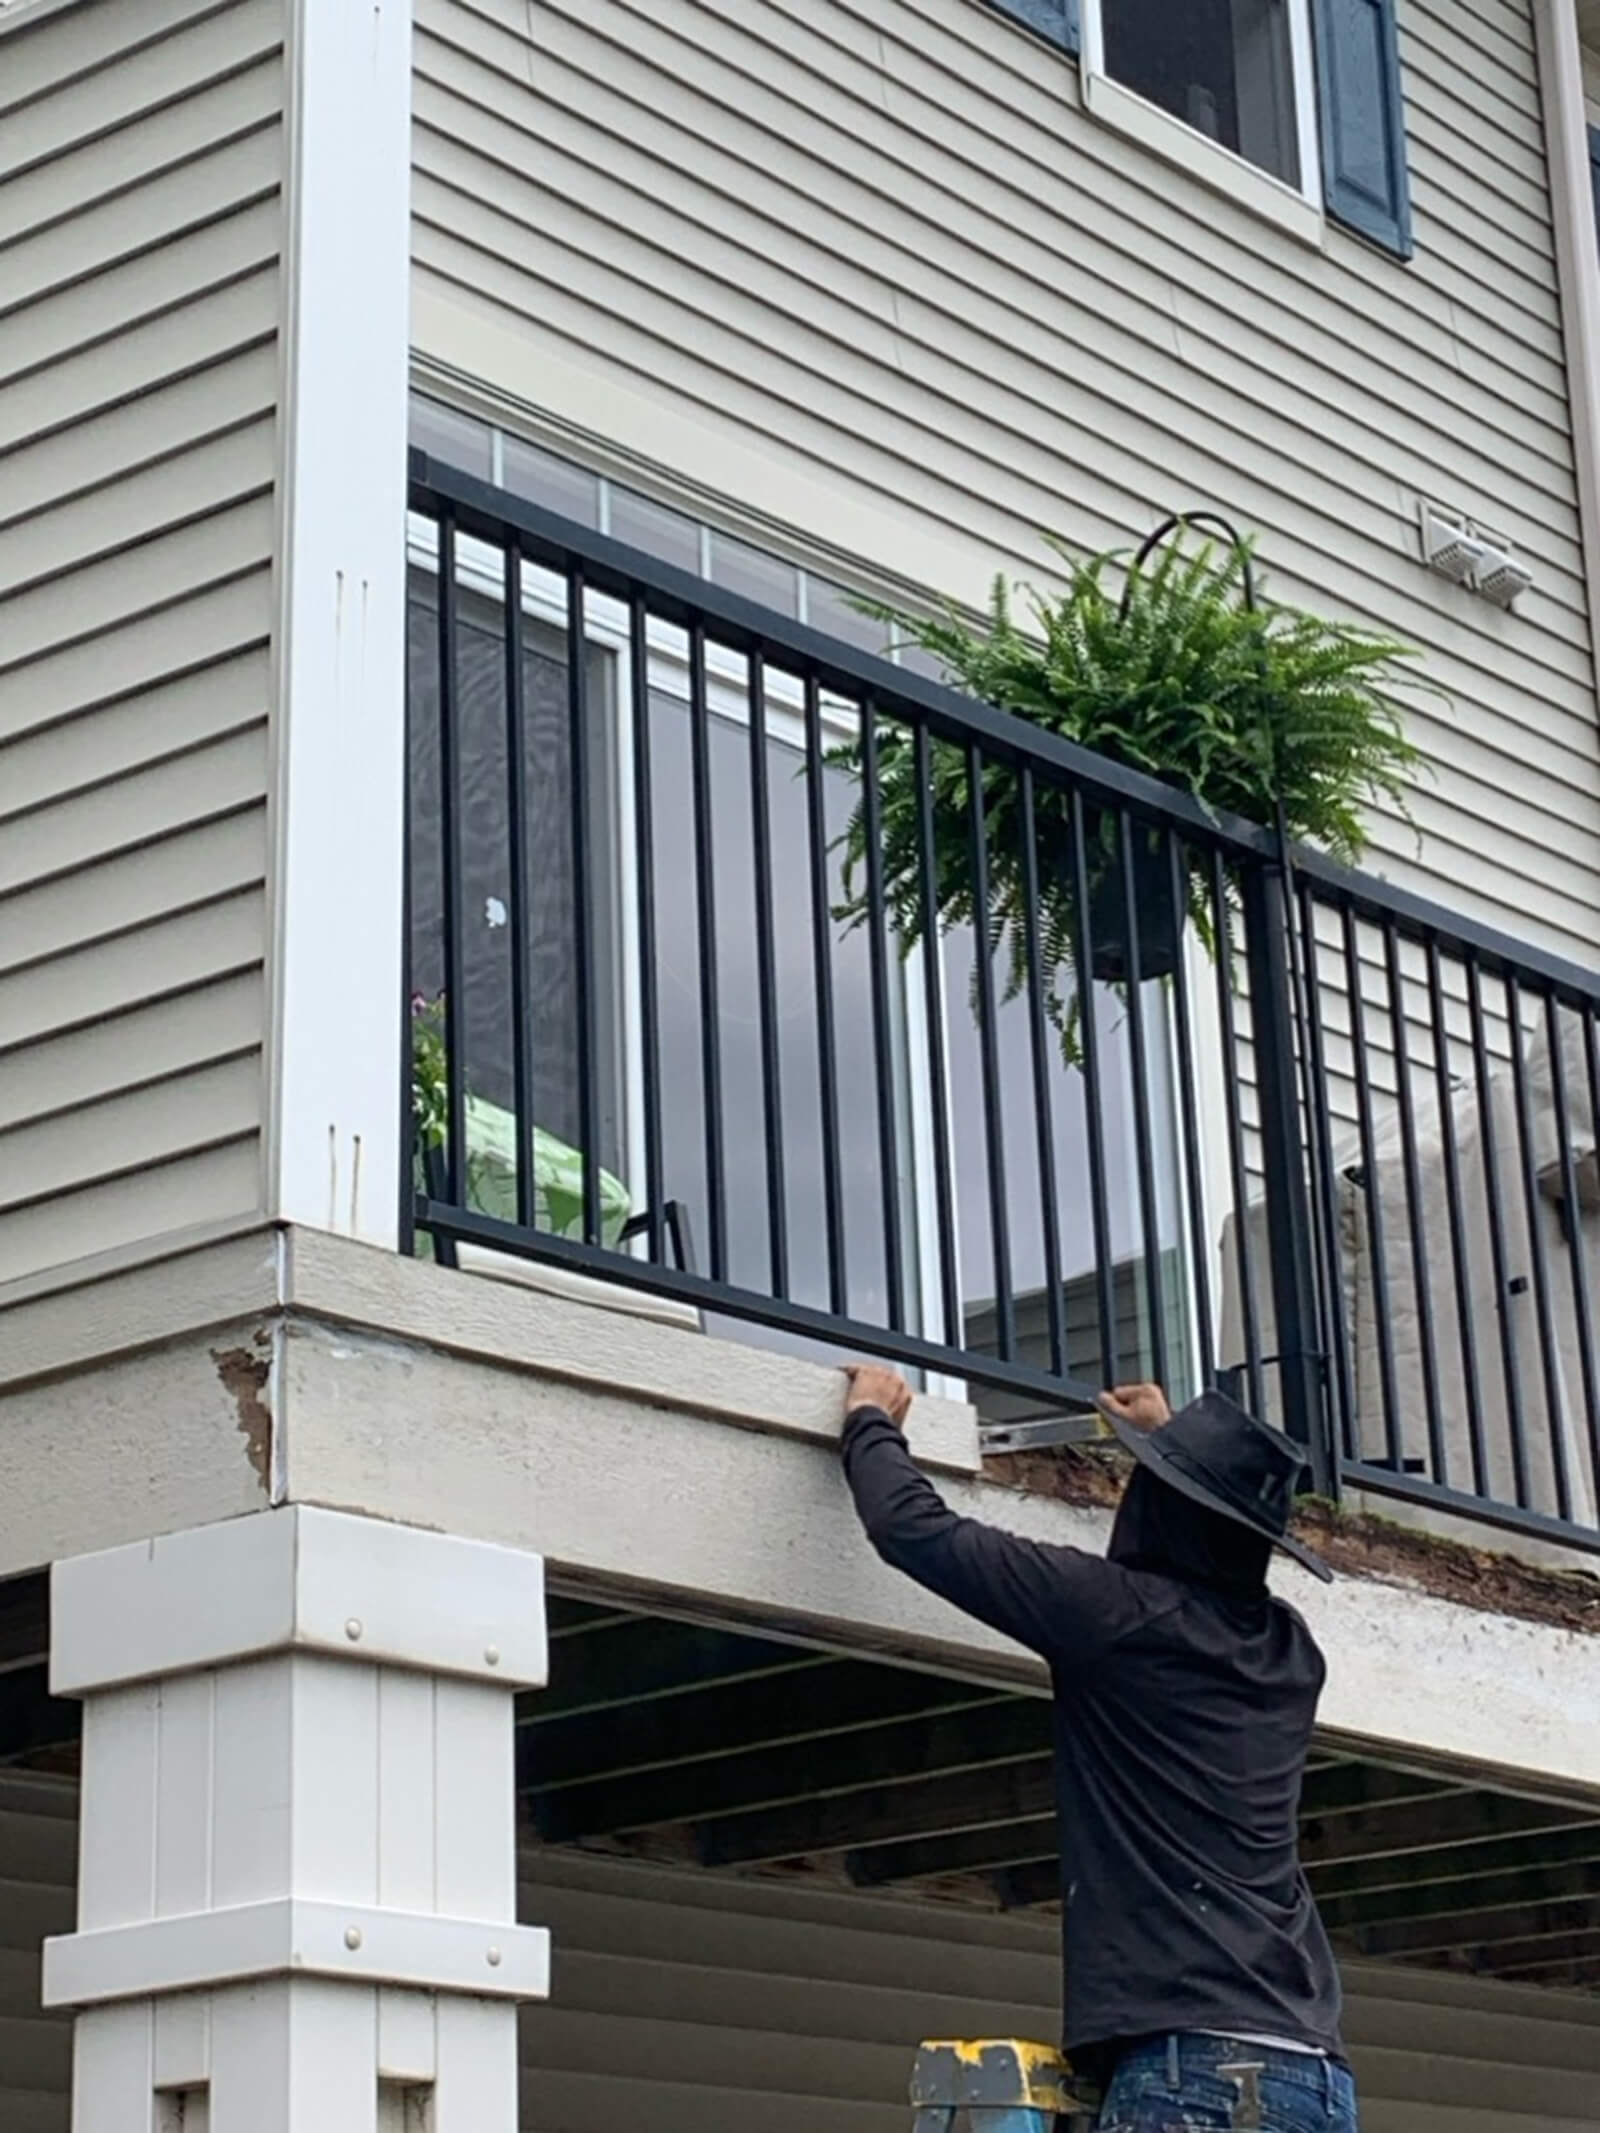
1182, 1727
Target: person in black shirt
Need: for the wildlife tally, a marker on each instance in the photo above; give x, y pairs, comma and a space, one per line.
1200, 1990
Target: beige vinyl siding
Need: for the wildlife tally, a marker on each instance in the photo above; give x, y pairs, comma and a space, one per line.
141, 156
693, 2003
697, 2004
872, 271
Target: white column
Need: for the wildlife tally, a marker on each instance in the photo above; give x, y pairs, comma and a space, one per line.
297, 1885
1566, 131
338, 723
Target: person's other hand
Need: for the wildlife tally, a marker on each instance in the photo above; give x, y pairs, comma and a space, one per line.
875, 1385
1145, 1406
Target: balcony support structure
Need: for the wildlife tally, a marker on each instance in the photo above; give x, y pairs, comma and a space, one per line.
297, 1893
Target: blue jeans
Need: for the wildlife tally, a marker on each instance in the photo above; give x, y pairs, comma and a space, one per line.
1200, 2084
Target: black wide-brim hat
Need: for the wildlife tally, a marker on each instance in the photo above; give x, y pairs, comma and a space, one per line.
1217, 1455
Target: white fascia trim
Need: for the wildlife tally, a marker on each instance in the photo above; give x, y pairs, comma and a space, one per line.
338, 731
292, 1938
298, 1579
1212, 165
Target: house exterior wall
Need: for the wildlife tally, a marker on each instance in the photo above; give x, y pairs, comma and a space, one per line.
873, 274
141, 164
693, 2004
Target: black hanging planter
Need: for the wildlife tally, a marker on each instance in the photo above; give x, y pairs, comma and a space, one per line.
1160, 923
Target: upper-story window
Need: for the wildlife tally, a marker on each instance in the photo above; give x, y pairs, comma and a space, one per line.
1292, 108
1230, 69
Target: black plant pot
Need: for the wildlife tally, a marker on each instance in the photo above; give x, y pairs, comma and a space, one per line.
1160, 924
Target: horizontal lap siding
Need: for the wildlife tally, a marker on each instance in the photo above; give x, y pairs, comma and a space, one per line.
879, 254
688, 2003
141, 156
700, 2005
38, 1877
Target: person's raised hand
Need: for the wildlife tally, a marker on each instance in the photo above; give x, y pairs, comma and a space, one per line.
1145, 1406
876, 1385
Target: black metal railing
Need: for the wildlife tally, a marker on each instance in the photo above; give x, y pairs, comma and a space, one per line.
692, 895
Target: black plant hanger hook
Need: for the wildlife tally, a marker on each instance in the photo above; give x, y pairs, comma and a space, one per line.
1177, 523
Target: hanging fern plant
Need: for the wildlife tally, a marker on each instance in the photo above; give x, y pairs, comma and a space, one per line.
1167, 665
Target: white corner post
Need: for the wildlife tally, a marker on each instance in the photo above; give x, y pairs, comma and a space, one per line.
1566, 132
297, 1874
338, 716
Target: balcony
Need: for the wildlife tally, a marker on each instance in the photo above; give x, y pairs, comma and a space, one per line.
672, 1040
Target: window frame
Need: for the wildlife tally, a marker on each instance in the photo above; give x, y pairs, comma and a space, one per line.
607, 631
1299, 210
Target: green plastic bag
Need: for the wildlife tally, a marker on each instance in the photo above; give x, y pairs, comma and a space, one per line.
557, 1179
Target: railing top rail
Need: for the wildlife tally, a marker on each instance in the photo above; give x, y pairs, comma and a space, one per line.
1418, 918
611, 566
675, 595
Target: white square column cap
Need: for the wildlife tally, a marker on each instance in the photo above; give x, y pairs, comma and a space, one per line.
298, 1579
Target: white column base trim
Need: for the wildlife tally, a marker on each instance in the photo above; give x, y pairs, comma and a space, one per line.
297, 1893
290, 1938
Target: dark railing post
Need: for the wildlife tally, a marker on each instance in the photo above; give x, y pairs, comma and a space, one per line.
1289, 1233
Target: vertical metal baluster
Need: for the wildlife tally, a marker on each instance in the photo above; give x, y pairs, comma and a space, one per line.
1591, 1048
409, 1144
1497, 1234
822, 963
1549, 1356
1458, 1232
710, 1006
455, 945
1045, 1125
517, 858
1094, 1122
1374, 1192
582, 915
1238, 1173
1149, 1216
1194, 1183
1341, 1380
767, 981
1582, 1307
938, 1070
1422, 1280
645, 845
994, 1131
883, 1044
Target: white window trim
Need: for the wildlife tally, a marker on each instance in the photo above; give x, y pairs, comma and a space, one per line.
1295, 210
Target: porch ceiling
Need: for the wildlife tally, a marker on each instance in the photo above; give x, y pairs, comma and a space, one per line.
667, 1740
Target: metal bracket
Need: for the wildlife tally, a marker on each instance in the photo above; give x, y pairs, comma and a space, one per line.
1055, 1430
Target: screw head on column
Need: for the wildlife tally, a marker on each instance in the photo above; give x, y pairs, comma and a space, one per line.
352, 1630
352, 1938
494, 1958
491, 1656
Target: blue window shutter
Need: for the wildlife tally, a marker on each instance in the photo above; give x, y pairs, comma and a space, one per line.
1364, 179
1055, 19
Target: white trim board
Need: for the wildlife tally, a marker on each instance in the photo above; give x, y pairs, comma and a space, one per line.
337, 797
